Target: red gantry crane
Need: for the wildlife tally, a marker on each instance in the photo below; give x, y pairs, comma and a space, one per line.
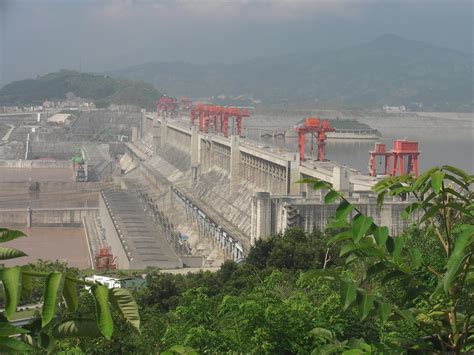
185, 104
401, 149
379, 151
239, 114
318, 129
167, 106
219, 117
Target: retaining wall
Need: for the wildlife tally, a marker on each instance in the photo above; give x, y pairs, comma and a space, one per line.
46, 217
58, 150
48, 164
45, 186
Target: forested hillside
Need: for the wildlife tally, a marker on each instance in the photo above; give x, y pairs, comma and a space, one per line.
101, 89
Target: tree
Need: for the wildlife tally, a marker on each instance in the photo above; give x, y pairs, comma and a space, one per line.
436, 295
294, 249
59, 287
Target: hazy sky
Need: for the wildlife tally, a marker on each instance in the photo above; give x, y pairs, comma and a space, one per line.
40, 36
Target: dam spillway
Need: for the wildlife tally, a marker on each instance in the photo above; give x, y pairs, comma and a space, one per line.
235, 190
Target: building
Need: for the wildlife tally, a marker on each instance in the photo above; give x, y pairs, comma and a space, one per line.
59, 118
394, 109
113, 282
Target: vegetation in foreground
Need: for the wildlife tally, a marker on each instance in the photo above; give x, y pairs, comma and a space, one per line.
353, 289
55, 288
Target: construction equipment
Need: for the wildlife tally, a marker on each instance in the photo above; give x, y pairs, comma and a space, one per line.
318, 129
401, 149
218, 117
79, 171
167, 106
185, 104
104, 260
379, 151
239, 114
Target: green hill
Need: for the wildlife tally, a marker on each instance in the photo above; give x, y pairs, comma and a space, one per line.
101, 89
387, 71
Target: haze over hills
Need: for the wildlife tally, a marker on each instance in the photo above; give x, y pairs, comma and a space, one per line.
103, 90
389, 70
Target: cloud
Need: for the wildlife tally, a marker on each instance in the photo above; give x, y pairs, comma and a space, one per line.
109, 34
225, 10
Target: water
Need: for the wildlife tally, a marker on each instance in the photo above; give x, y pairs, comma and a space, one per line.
438, 146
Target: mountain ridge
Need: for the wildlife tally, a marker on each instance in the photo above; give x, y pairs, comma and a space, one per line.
388, 70
101, 89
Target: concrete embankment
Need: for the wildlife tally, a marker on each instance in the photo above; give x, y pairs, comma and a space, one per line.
36, 164
171, 167
45, 217
211, 188
36, 170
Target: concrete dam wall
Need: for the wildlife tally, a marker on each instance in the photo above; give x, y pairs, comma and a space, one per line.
244, 189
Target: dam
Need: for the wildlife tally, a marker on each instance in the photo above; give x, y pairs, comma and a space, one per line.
232, 191
168, 195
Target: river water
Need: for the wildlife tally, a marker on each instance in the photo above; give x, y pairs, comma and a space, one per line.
449, 141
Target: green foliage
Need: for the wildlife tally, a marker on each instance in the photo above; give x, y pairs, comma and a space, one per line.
240, 308
104, 314
40, 335
294, 249
123, 301
276, 316
77, 329
10, 278
70, 295
353, 289
102, 89
50, 301
384, 294
348, 293
420, 272
179, 349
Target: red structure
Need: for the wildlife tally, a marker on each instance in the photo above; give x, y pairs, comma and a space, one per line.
218, 117
380, 151
167, 106
104, 260
199, 111
401, 149
185, 104
318, 129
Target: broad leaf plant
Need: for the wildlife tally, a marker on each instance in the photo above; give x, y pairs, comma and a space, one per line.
437, 300
59, 288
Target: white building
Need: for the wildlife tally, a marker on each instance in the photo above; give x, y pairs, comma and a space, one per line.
59, 118
110, 282
394, 109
